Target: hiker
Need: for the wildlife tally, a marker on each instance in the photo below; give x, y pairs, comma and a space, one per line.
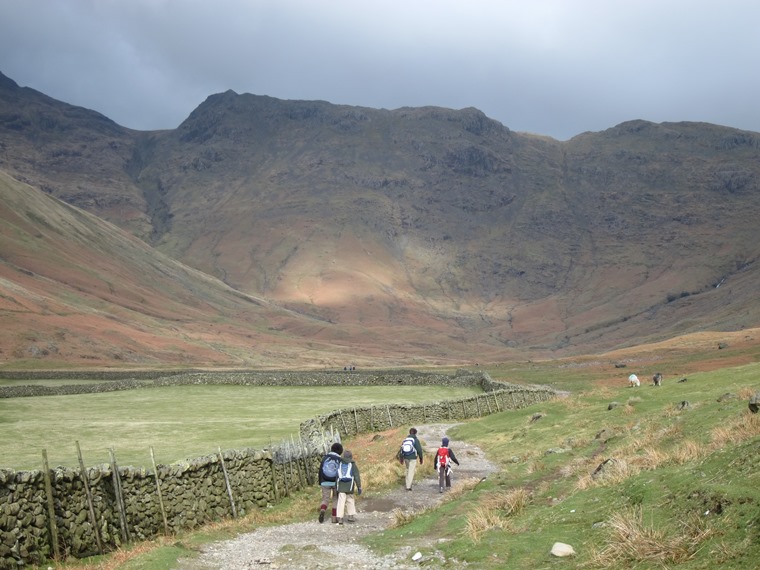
443, 459
328, 475
409, 454
349, 480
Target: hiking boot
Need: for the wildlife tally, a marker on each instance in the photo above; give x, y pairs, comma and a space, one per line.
441, 489
340, 521
335, 520
321, 515
351, 519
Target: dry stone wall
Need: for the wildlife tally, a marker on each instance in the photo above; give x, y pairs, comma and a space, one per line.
62, 512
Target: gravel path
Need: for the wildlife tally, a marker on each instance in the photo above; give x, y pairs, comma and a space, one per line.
310, 545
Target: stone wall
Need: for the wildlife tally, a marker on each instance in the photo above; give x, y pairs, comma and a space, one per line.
65, 512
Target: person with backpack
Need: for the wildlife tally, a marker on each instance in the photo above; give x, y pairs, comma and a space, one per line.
349, 480
444, 457
328, 476
409, 454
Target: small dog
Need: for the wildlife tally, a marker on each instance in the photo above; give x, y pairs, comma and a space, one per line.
633, 380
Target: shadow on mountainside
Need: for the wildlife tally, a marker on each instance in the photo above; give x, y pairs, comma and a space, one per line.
327, 546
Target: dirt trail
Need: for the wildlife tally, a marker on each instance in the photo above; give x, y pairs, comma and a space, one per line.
310, 545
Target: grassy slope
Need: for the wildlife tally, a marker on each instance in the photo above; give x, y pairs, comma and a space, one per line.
682, 490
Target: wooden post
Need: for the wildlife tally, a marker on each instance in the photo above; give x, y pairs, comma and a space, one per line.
50, 506
424, 413
496, 401
119, 497
285, 473
356, 419
477, 401
488, 404
324, 442
274, 481
227, 483
372, 417
85, 480
298, 464
305, 456
514, 404
158, 491
464, 410
345, 428
388, 409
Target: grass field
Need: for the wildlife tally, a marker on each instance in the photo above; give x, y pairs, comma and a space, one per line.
178, 422
680, 489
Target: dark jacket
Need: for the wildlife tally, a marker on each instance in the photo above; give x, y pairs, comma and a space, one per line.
417, 450
452, 457
356, 475
324, 481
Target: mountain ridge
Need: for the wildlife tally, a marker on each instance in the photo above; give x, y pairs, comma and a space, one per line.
421, 223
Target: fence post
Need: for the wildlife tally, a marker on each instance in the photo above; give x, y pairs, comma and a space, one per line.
345, 428
298, 464
119, 497
274, 480
93, 520
285, 476
158, 490
388, 409
356, 419
50, 506
227, 483
305, 456
477, 401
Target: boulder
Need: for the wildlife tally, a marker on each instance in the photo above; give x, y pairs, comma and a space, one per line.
754, 402
561, 549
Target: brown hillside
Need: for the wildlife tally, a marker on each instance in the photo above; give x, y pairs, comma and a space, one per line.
423, 233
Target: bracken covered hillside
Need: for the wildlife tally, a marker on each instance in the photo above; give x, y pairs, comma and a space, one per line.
422, 234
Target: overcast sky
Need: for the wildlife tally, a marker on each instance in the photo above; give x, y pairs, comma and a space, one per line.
552, 67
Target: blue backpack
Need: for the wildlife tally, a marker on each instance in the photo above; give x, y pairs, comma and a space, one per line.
330, 467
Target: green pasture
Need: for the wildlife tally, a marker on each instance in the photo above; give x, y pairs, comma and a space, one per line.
179, 422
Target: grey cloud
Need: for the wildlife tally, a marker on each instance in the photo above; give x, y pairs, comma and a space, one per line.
548, 66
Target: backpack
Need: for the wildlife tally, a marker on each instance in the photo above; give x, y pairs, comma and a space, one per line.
345, 478
443, 456
407, 447
330, 467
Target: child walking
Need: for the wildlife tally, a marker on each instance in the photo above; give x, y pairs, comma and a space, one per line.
349, 479
328, 475
443, 459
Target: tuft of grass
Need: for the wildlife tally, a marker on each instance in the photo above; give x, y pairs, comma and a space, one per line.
738, 429
480, 520
632, 542
511, 502
688, 451
403, 518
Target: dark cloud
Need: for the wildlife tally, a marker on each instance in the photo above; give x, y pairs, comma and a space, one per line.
547, 66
